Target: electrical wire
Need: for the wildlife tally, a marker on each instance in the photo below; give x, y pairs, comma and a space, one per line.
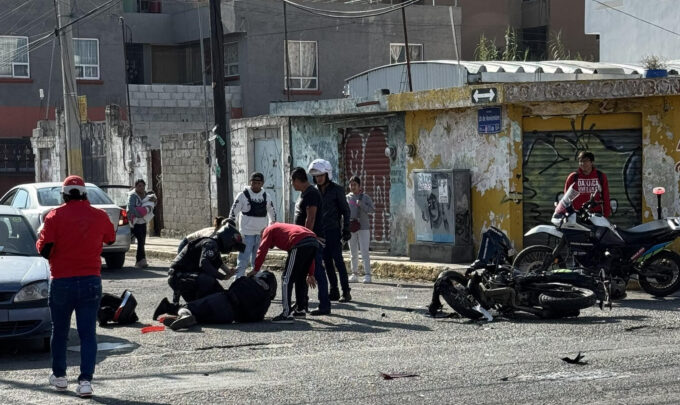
352, 12
10, 12
637, 18
342, 15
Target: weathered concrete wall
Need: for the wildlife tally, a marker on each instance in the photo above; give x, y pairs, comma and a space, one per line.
449, 140
314, 138
186, 206
160, 109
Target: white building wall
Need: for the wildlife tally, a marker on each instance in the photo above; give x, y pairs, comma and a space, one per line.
626, 39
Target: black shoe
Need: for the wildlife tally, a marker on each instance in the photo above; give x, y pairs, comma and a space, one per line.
334, 294
283, 319
165, 307
346, 297
299, 314
183, 322
317, 312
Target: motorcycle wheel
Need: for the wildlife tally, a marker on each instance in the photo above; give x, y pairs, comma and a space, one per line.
566, 299
534, 258
457, 295
665, 262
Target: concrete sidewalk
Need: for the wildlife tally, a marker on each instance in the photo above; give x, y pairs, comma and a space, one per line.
382, 264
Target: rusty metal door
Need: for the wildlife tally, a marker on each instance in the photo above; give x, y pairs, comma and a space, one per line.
267, 160
365, 157
93, 149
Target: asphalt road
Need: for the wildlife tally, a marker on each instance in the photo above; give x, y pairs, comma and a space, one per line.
632, 354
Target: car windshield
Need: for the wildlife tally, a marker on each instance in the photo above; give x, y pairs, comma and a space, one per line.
16, 237
51, 196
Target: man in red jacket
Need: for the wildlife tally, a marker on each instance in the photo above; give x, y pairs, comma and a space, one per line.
588, 180
301, 245
71, 239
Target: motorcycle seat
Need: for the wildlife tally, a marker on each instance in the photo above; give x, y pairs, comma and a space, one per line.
644, 233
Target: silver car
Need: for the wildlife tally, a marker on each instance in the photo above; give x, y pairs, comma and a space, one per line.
35, 200
24, 277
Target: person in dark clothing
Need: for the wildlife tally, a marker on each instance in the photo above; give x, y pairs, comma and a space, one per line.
336, 215
195, 271
246, 300
301, 245
308, 213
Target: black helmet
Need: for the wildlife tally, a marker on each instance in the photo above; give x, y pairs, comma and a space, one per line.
228, 239
270, 279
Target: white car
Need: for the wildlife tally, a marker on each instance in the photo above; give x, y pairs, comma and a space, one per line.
24, 277
35, 200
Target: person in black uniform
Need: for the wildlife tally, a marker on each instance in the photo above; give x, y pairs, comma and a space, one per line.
246, 300
197, 268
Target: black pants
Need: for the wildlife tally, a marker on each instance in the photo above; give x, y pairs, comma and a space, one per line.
295, 272
214, 308
139, 232
332, 259
193, 286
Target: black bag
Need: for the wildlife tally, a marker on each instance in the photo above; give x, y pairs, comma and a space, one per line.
117, 309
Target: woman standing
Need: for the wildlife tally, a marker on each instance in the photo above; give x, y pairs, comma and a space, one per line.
140, 211
360, 205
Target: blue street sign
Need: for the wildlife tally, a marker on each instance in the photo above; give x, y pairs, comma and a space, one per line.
489, 120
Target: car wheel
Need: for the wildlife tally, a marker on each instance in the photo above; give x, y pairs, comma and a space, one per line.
114, 260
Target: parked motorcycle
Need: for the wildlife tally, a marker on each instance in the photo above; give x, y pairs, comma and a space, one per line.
588, 241
491, 283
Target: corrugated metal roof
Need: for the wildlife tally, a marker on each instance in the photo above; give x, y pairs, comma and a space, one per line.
492, 71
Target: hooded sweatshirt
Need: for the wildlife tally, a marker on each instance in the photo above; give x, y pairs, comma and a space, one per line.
587, 184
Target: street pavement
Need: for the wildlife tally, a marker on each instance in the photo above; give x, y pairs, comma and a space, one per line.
632, 355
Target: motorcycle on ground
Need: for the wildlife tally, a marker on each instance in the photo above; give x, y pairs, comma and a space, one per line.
491, 283
589, 242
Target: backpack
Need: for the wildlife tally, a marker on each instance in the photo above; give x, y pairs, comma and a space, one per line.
117, 309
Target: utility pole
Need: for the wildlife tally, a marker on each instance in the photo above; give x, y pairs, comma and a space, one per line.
68, 76
408, 51
223, 137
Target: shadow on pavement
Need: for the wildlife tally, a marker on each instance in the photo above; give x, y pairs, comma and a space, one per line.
19, 355
128, 273
653, 303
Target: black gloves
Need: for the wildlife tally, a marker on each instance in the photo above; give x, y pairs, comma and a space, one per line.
346, 235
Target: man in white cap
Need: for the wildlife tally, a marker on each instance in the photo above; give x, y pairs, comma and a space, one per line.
336, 217
71, 239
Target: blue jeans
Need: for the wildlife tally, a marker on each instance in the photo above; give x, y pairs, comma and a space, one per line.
82, 295
321, 281
252, 243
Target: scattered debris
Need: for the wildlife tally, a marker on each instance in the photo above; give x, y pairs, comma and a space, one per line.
231, 346
382, 315
392, 376
575, 360
153, 328
632, 328
505, 378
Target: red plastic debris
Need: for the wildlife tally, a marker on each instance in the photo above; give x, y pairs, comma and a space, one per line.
153, 328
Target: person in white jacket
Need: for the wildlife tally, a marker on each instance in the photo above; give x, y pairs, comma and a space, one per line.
257, 212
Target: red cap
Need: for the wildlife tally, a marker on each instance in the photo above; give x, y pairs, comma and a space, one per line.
73, 183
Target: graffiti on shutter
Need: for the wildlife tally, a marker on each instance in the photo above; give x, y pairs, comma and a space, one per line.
365, 157
550, 156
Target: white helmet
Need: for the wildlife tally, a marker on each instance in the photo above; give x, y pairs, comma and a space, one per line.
320, 166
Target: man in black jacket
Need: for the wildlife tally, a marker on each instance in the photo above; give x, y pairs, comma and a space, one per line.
195, 271
336, 227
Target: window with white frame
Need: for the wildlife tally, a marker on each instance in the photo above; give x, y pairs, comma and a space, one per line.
303, 57
86, 56
398, 52
14, 57
231, 59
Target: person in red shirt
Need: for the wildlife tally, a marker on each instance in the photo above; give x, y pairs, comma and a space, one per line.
71, 239
587, 180
301, 245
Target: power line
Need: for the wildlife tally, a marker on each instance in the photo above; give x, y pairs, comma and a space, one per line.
637, 18
10, 12
344, 15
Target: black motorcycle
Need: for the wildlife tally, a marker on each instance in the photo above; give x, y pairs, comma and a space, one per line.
588, 241
490, 283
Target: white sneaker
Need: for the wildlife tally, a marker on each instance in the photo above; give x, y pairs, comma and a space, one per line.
60, 383
141, 264
353, 278
367, 279
84, 389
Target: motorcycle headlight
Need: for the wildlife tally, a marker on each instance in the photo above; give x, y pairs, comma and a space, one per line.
33, 292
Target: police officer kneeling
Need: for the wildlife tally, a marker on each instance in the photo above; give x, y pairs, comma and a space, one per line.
197, 268
246, 300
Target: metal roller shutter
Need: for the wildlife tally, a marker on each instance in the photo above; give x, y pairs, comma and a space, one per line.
365, 157
550, 156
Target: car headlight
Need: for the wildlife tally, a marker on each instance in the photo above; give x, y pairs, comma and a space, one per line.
33, 292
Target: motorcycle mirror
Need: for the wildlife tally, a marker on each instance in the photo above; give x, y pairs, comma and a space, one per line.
659, 190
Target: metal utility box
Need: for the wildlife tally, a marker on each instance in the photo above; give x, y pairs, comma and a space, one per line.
443, 218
